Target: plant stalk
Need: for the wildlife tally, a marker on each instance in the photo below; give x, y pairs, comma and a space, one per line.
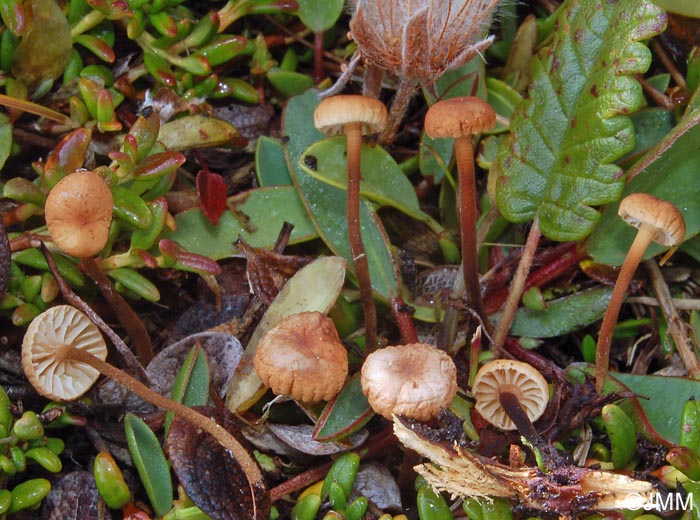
357, 247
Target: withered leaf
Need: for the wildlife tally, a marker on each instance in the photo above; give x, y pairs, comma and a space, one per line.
211, 476
74, 497
5, 254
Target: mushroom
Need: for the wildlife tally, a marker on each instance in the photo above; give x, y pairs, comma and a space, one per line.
510, 394
63, 354
415, 380
657, 220
355, 116
461, 118
303, 357
78, 213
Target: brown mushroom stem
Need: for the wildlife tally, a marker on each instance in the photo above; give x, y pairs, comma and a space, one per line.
357, 247
636, 251
516, 287
467, 207
511, 404
250, 468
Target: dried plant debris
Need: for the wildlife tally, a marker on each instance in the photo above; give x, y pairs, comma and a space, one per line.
74, 497
566, 491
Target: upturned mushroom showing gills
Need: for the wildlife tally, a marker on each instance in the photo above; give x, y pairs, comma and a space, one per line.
656, 220
415, 380
78, 213
303, 357
461, 118
355, 116
510, 394
62, 357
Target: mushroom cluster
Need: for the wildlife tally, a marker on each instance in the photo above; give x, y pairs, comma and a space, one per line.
415, 380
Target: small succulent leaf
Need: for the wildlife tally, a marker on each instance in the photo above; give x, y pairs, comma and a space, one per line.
689, 8
5, 138
287, 82
319, 16
268, 207
150, 463
314, 287
68, 155
211, 190
327, 205
345, 414
558, 160
211, 476
270, 164
563, 315
382, 179
667, 171
197, 131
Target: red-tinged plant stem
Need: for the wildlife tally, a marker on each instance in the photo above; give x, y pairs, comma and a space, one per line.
372, 81
299, 481
228, 441
404, 321
516, 288
319, 72
467, 209
399, 106
357, 247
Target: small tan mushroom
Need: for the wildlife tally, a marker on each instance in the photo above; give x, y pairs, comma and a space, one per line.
303, 357
658, 221
63, 354
415, 380
78, 213
355, 116
61, 379
497, 380
461, 118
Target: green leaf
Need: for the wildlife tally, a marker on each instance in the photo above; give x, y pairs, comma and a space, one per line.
270, 163
289, 83
150, 463
327, 204
668, 171
558, 160
683, 7
191, 386
265, 210
343, 416
5, 138
319, 15
198, 131
382, 179
562, 316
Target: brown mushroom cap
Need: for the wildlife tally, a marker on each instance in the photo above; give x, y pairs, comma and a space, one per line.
333, 113
516, 377
61, 380
79, 212
414, 380
460, 116
303, 357
665, 218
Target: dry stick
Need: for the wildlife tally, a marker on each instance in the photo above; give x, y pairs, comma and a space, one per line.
130, 361
228, 441
683, 304
126, 315
675, 324
357, 247
516, 288
668, 63
299, 481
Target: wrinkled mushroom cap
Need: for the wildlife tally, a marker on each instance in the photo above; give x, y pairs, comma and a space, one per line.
665, 218
414, 380
516, 377
460, 116
303, 357
333, 113
61, 380
79, 212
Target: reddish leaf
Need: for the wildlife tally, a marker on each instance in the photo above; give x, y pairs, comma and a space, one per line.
212, 478
211, 189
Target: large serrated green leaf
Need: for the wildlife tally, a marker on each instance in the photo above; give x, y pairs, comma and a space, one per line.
557, 162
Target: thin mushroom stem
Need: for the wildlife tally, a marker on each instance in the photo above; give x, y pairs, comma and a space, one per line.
251, 470
353, 133
467, 207
624, 278
516, 287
